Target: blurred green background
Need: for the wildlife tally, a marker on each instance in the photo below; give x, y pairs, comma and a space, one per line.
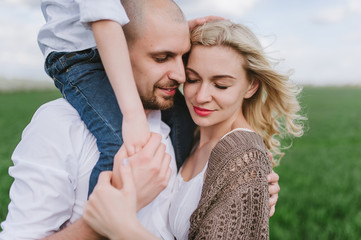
320, 175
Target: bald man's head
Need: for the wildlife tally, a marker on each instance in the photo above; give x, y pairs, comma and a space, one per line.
139, 12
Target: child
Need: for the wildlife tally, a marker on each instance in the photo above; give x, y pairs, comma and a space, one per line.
76, 34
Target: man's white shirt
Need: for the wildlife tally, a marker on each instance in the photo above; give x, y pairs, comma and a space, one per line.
52, 166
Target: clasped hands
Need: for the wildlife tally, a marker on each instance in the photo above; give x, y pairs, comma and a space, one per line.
132, 185
150, 169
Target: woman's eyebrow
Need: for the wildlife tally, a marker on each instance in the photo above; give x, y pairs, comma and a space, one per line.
216, 77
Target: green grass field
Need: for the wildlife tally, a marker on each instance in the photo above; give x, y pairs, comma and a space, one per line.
320, 175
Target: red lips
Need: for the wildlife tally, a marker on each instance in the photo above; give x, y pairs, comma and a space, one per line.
202, 111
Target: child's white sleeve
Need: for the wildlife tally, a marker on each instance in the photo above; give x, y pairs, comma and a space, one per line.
95, 10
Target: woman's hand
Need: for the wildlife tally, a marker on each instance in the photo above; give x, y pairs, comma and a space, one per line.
112, 212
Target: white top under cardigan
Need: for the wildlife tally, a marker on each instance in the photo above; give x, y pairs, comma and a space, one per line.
67, 27
185, 199
52, 166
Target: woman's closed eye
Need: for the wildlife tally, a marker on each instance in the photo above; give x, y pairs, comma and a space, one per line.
189, 80
220, 86
217, 85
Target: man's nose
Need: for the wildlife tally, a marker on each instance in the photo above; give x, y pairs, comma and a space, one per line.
177, 72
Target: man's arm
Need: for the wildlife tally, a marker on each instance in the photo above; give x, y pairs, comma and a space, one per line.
150, 166
45, 173
79, 230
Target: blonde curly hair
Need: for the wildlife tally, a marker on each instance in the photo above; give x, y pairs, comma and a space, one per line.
273, 111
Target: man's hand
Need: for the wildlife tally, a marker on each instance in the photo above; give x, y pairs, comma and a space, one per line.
150, 168
199, 21
273, 189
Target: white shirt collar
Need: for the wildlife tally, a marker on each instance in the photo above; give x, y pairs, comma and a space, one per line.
156, 124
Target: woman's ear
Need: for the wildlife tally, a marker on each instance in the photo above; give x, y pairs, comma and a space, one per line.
252, 89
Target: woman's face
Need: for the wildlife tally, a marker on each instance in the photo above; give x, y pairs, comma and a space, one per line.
216, 85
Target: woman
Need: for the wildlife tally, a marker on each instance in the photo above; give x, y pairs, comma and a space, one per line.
242, 107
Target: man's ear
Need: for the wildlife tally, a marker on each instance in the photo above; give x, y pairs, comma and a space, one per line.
252, 89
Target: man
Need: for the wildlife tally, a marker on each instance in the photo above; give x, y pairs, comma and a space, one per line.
52, 163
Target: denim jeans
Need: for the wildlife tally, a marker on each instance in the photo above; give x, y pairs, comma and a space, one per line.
81, 78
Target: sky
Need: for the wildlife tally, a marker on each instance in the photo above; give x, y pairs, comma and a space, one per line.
319, 40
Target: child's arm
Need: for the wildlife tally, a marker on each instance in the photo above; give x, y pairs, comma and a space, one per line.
113, 51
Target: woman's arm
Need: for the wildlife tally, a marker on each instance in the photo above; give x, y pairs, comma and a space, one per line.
112, 212
240, 208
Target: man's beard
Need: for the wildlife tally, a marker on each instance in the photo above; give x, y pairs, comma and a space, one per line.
152, 102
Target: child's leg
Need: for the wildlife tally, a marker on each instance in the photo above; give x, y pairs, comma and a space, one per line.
81, 78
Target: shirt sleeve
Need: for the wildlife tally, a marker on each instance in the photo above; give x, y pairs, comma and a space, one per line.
95, 10
42, 194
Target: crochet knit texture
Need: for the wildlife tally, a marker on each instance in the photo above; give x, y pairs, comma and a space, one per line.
235, 200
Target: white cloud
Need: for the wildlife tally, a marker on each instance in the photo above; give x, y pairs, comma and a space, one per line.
337, 13
331, 14
20, 55
23, 3
355, 6
314, 65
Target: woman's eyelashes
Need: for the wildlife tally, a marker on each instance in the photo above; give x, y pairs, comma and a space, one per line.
189, 80
217, 85
220, 86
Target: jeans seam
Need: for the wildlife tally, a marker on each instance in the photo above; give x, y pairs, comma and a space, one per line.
93, 109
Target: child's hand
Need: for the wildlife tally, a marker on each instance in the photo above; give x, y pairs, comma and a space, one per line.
135, 133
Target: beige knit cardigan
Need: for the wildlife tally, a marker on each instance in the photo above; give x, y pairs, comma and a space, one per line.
235, 200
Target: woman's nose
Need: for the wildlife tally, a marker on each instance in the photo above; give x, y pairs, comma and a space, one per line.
203, 94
